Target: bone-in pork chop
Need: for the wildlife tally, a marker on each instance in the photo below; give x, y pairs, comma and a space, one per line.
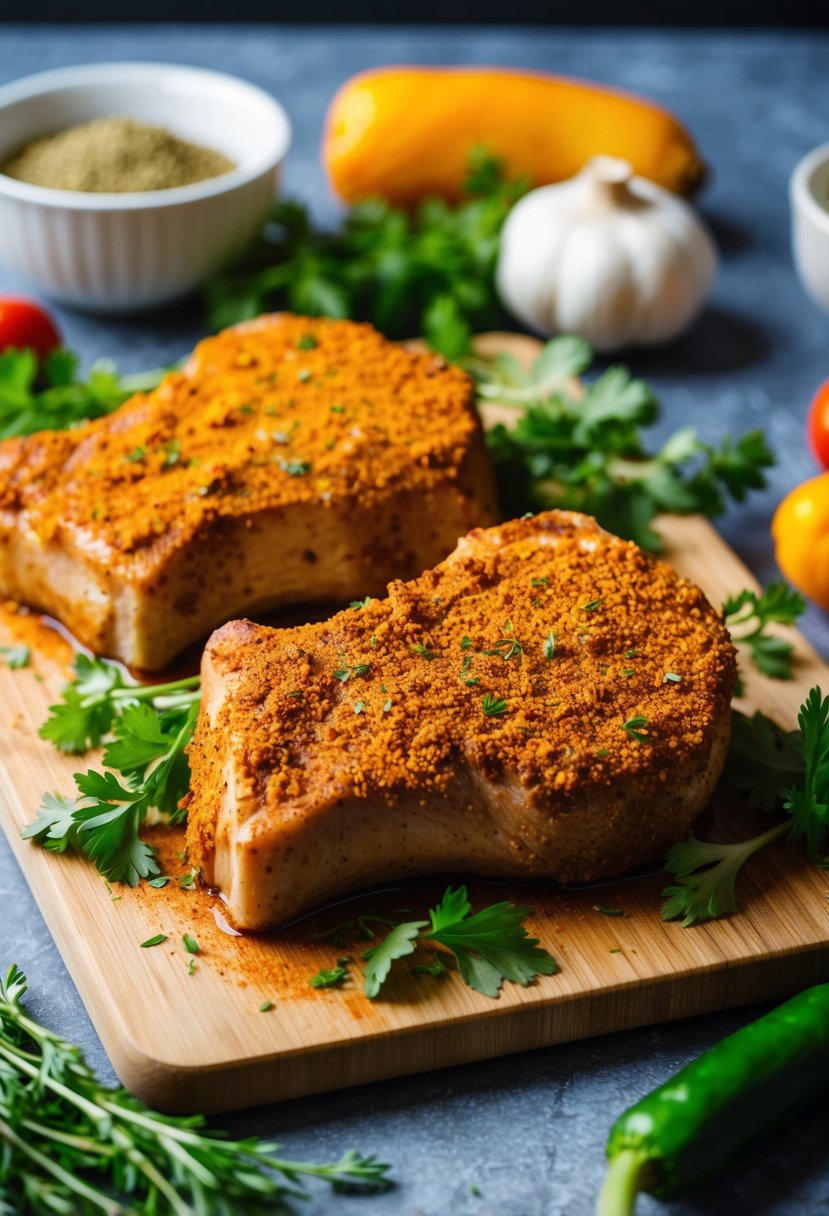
550, 701
293, 460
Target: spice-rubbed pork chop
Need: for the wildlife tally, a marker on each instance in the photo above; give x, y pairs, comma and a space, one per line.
293, 460
550, 701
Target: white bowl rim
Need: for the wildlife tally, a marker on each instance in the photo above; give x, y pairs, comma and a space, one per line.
79, 200
801, 192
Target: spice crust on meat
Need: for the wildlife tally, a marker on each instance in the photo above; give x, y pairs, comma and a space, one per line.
544, 654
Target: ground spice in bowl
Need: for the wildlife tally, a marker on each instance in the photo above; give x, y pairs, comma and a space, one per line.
115, 156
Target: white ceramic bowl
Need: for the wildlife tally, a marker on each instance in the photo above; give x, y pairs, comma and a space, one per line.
127, 252
809, 194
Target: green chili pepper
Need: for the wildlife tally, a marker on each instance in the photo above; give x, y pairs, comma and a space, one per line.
746, 1086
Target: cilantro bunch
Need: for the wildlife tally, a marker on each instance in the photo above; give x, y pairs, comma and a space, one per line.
773, 769
73, 1147
488, 947
148, 728
37, 395
431, 272
585, 451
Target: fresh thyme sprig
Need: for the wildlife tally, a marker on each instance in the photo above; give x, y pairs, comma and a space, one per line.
586, 451
747, 617
148, 728
771, 768
74, 1147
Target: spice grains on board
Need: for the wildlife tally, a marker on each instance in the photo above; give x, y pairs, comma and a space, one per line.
453, 679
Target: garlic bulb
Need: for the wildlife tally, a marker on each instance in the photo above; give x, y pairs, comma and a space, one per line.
608, 256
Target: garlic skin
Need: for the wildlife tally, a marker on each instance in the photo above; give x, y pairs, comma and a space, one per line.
608, 256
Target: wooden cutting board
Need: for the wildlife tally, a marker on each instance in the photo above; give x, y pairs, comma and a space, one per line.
200, 1042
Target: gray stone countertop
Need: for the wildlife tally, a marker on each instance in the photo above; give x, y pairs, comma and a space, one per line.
528, 1131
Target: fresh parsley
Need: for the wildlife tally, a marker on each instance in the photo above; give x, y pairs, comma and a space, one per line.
148, 728
429, 272
74, 1145
586, 451
489, 946
329, 978
37, 395
747, 617
773, 768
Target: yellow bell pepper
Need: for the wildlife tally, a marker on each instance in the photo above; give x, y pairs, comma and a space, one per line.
801, 538
404, 133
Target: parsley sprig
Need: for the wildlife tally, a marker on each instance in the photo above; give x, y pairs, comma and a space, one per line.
37, 395
73, 1145
489, 946
587, 452
773, 768
429, 272
148, 728
747, 617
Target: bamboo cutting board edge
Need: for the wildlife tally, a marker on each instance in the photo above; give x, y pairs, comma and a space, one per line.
180, 1046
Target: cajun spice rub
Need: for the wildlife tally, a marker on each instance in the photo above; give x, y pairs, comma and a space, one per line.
549, 701
292, 460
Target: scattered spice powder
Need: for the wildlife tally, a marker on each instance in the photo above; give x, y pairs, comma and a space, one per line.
115, 156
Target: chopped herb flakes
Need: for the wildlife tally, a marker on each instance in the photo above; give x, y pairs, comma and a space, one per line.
266, 1007
359, 706
424, 652
159, 882
190, 944
307, 342
506, 648
466, 643
592, 606
329, 977
154, 941
670, 677
358, 604
493, 707
387, 706
539, 582
627, 672
550, 645
295, 468
634, 728
608, 911
16, 656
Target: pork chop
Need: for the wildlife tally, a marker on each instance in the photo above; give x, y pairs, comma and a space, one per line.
548, 702
293, 460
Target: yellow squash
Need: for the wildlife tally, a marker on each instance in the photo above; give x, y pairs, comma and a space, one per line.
404, 133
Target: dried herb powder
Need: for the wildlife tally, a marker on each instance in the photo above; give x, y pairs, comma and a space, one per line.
115, 156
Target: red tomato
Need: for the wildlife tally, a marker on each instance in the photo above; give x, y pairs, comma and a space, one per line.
24, 323
817, 425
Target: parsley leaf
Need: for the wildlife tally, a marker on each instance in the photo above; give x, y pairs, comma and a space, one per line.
769, 765
633, 727
747, 617
490, 946
38, 395
707, 873
149, 728
808, 801
397, 944
430, 272
587, 452
764, 760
